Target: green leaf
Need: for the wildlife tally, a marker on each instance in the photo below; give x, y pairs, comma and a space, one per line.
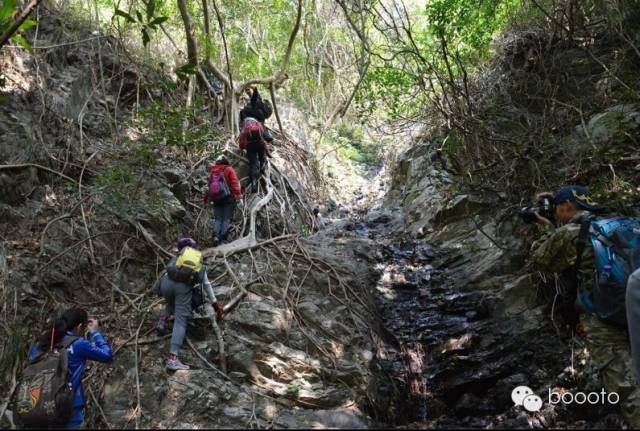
158, 20
16, 38
145, 37
27, 24
185, 70
139, 15
7, 10
151, 6
124, 15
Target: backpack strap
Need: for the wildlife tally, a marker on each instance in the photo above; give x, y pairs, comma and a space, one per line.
67, 341
581, 243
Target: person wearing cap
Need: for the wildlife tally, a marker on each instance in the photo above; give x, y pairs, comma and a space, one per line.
179, 296
223, 209
556, 252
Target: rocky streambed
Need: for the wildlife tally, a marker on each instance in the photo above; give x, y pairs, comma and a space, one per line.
450, 353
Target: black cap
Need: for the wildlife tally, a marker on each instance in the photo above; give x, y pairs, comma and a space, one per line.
578, 195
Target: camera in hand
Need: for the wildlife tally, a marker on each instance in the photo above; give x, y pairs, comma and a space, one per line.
544, 208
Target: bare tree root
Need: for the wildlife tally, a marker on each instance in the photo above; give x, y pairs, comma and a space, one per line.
221, 351
203, 359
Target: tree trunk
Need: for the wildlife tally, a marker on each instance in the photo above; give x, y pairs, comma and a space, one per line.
192, 47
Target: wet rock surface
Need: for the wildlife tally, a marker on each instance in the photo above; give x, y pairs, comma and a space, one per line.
451, 353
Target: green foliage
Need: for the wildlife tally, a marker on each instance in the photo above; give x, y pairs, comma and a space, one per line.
389, 91
293, 390
8, 10
467, 25
185, 71
447, 40
164, 125
121, 190
351, 143
146, 23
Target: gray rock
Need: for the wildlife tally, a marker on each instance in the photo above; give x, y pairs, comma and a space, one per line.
172, 175
240, 358
519, 295
181, 191
607, 126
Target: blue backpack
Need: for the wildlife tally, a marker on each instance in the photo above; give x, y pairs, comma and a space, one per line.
616, 245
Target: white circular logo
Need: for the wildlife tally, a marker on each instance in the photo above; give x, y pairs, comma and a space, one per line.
532, 403
520, 393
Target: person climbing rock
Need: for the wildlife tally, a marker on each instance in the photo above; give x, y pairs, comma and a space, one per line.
68, 332
183, 273
252, 140
259, 109
565, 251
225, 192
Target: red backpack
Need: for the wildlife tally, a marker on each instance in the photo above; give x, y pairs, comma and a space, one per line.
252, 131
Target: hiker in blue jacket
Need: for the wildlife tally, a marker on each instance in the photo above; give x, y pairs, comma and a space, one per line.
76, 322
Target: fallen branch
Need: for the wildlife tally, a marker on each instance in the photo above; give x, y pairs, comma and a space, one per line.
203, 359
62, 253
95, 401
221, 352
124, 295
62, 217
150, 239
235, 301
34, 165
138, 409
144, 341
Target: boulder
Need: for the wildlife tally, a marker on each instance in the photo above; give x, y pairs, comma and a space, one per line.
172, 174
181, 191
613, 124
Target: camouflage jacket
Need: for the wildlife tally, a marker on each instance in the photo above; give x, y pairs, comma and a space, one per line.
555, 252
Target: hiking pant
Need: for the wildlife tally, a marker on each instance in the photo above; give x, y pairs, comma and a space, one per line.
609, 351
222, 216
178, 297
256, 154
632, 302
